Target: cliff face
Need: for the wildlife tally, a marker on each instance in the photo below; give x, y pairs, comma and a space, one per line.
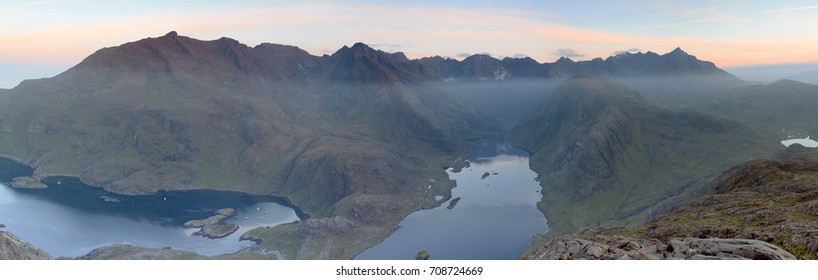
762, 209
14, 248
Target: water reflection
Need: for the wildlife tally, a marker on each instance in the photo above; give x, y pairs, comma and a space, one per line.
71, 219
494, 219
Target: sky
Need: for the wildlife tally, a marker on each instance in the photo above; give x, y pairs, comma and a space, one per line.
43, 38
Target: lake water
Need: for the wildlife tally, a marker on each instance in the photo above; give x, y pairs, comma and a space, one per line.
70, 219
494, 219
806, 142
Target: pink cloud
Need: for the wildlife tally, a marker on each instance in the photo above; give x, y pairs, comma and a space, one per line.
422, 31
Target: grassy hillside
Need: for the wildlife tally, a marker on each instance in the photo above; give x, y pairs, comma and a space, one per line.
771, 200
607, 157
785, 108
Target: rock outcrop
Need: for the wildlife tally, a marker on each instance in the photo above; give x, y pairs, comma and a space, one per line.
610, 247
774, 200
762, 209
128, 252
14, 248
30, 182
213, 227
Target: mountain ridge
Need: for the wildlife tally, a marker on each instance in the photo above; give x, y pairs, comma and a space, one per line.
358, 139
176, 113
605, 155
434, 68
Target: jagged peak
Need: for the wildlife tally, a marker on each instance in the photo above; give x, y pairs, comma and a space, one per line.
360, 45
678, 52
358, 48
479, 56
525, 59
279, 49
230, 41
564, 60
400, 56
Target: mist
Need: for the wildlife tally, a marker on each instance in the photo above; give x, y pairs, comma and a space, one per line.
765, 74
505, 101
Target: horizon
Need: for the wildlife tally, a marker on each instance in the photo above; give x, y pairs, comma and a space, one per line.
51, 36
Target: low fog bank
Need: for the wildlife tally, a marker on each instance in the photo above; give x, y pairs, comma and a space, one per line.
506, 101
679, 84
765, 74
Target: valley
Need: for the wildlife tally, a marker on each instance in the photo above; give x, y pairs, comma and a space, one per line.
354, 146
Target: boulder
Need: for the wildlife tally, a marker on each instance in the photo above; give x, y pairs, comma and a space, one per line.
603, 247
721, 248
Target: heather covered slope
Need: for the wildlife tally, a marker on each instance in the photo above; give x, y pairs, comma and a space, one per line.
754, 210
605, 156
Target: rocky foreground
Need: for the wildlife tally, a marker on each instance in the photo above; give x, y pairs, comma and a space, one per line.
763, 209
595, 245
14, 248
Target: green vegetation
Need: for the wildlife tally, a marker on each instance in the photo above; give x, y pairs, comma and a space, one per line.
342, 140
422, 255
360, 139
769, 200
607, 157
785, 108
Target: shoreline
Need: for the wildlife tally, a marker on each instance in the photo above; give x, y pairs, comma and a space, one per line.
41, 176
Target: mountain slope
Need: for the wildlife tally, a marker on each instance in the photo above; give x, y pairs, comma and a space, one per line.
354, 138
14, 248
605, 156
759, 201
810, 77
172, 113
785, 108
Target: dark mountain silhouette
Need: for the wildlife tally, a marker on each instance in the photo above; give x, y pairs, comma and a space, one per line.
620, 66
